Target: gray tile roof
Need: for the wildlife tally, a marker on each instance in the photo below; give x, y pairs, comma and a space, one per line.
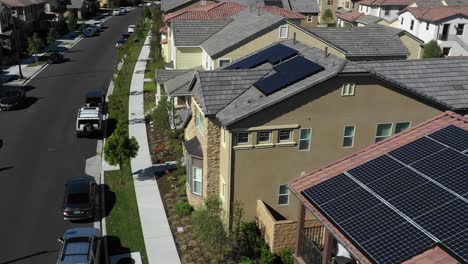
179, 85
216, 89
169, 5
368, 19
369, 41
245, 27
305, 6
441, 80
193, 147
456, 2
195, 32
163, 75
427, 3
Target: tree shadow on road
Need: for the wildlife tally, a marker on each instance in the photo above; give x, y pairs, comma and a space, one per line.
6, 168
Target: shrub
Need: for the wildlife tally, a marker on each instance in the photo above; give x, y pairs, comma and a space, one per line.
327, 17
432, 50
287, 256
182, 192
266, 257
245, 260
181, 180
182, 208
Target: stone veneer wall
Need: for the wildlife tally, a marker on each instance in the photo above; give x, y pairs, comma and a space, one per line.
278, 234
211, 149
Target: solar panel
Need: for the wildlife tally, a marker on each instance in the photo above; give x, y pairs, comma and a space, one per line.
452, 136
397, 183
287, 73
374, 169
421, 200
343, 207
458, 243
273, 55
397, 244
371, 223
441, 163
416, 150
330, 189
445, 221
456, 180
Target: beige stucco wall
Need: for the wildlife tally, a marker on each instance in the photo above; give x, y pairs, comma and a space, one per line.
187, 58
258, 172
413, 46
273, 36
224, 169
309, 25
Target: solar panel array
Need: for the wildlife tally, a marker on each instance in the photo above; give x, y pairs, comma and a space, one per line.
404, 202
274, 54
287, 73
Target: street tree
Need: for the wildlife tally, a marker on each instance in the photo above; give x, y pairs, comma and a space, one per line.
72, 22
35, 46
51, 36
432, 50
119, 148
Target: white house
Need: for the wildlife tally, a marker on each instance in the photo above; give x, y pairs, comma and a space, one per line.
446, 24
385, 9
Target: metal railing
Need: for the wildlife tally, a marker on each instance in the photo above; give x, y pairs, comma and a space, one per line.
312, 244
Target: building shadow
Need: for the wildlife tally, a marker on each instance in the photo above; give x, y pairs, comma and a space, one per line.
144, 174
6, 168
114, 246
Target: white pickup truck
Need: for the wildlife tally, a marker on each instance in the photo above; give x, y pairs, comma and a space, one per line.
89, 122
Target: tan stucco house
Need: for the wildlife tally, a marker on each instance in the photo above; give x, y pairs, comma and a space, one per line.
264, 120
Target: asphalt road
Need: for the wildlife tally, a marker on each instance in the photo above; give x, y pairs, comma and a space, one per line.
41, 150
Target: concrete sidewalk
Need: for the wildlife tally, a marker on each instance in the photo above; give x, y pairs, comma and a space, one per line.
159, 242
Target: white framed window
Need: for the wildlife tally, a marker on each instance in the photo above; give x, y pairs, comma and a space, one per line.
402, 20
203, 2
427, 25
224, 62
283, 32
263, 137
353, 5
383, 131
242, 138
197, 180
330, 2
283, 195
348, 89
285, 135
411, 25
189, 172
400, 127
348, 136
200, 122
310, 18
446, 51
387, 12
367, 9
460, 28
304, 139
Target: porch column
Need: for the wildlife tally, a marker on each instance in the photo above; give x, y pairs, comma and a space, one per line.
299, 230
327, 247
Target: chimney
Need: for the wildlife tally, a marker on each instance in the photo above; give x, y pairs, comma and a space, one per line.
294, 38
326, 52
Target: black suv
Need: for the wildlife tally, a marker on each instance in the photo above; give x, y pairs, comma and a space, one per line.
12, 97
79, 200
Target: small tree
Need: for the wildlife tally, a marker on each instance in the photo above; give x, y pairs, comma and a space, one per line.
119, 148
161, 114
327, 16
51, 36
432, 50
72, 22
146, 12
35, 46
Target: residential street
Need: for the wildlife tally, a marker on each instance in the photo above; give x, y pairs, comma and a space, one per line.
41, 151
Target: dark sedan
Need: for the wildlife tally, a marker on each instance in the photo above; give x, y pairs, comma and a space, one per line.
11, 97
55, 58
79, 200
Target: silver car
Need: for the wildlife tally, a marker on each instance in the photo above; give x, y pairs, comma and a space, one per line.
80, 245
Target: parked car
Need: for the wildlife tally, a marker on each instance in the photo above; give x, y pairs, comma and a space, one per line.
125, 36
79, 198
131, 29
98, 25
88, 122
116, 12
96, 99
89, 31
120, 42
80, 245
12, 97
55, 57
123, 10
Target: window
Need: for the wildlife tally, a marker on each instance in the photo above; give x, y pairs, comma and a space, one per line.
189, 172
446, 51
400, 127
330, 2
304, 139
401, 22
347, 5
387, 12
285, 135
242, 138
203, 2
197, 181
411, 25
348, 136
383, 132
263, 137
222, 188
224, 62
283, 32
283, 195
200, 122
348, 89
310, 18
367, 9
427, 25
460, 28
354, 5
